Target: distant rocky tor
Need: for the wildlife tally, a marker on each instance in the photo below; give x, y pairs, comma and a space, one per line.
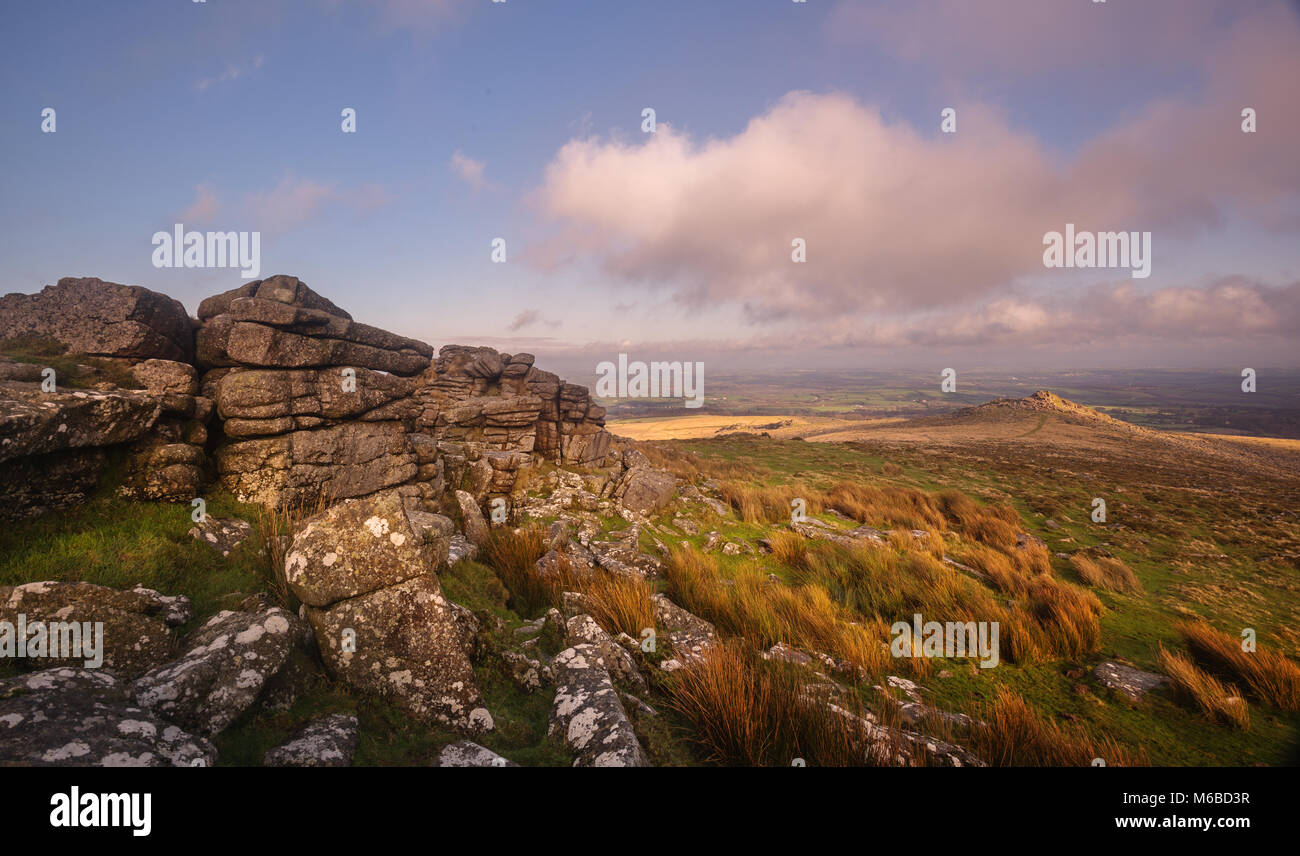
275, 392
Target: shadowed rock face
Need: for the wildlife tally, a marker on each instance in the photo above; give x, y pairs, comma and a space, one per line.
91, 316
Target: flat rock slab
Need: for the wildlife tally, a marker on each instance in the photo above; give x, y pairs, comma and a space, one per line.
84, 718
328, 741
227, 662
1132, 682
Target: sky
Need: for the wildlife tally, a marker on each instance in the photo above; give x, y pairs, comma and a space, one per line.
775, 122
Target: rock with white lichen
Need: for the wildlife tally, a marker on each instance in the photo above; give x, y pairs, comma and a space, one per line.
226, 663
587, 716
328, 741
84, 718
467, 753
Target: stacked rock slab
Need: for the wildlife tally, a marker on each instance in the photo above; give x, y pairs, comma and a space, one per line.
364, 570
314, 405
51, 443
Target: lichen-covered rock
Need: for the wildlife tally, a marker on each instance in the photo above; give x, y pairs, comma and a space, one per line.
84, 718
689, 634
328, 741
403, 642
136, 634
90, 316
33, 422
222, 534
625, 559
359, 545
226, 663
1131, 682
583, 630
166, 376
587, 716
467, 753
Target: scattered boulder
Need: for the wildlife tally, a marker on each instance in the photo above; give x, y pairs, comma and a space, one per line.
475, 527
1133, 683
645, 490
328, 741
222, 534
467, 753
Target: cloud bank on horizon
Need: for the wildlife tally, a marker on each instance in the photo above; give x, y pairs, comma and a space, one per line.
803, 199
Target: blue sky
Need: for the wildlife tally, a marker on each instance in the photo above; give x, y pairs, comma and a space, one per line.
229, 112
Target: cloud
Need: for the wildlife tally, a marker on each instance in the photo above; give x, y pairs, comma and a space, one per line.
203, 208
897, 221
530, 318
468, 170
232, 72
294, 202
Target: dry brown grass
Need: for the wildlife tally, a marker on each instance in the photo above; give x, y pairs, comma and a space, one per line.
618, 603
1192, 684
1105, 572
885, 507
768, 503
513, 554
763, 613
1271, 677
1019, 736
748, 713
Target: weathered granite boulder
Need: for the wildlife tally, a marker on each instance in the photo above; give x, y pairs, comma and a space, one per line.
34, 485
90, 316
328, 741
646, 490
166, 376
360, 545
225, 665
402, 642
136, 624
587, 716
84, 718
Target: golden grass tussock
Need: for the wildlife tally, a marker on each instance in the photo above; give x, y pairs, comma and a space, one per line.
1017, 735
618, 603
513, 555
769, 503
1104, 572
746, 712
1270, 677
1194, 685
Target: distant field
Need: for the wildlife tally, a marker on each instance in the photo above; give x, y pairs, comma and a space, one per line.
711, 425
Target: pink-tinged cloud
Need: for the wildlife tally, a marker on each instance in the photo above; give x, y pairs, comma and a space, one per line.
294, 202
204, 207
468, 170
896, 220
